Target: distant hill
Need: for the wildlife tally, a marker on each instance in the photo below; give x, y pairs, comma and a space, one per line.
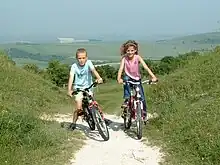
203, 38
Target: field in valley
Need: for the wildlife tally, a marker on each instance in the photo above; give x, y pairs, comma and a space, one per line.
40, 54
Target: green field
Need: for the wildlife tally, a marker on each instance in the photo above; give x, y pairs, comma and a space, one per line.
109, 51
23, 61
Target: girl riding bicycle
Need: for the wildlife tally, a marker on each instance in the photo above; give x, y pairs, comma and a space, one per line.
130, 65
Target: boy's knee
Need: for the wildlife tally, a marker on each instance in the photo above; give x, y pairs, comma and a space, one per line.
79, 97
78, 112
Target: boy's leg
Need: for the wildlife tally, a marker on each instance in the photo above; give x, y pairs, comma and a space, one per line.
77, 110
143, 101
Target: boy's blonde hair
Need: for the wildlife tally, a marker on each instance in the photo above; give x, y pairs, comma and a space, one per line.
80, 50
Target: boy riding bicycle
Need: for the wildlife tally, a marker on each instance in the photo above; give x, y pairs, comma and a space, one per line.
81, 73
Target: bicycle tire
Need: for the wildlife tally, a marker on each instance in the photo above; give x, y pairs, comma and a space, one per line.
97, 119
127, 118
89, 119
139, 121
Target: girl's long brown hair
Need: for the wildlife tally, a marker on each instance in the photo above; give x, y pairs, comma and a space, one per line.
126, 45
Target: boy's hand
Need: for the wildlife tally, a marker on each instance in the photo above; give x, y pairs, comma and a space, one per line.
70, 93
120, 81
99, 80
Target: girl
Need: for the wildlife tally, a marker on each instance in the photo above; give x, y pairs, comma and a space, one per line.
130, 65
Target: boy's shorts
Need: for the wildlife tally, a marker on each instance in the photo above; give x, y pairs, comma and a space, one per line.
79, 96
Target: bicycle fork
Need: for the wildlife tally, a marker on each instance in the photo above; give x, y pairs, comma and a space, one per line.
136, 102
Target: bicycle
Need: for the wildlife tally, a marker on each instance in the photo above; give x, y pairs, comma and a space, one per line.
91, 113
134, 107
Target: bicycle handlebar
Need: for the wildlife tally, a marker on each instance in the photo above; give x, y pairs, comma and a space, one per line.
139, 82
86, 90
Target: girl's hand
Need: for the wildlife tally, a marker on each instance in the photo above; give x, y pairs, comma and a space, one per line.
154, 79
120, 81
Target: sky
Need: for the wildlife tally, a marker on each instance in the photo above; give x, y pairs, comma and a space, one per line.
105, 18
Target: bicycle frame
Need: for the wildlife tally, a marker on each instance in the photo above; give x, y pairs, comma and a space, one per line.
87, 96
135, 96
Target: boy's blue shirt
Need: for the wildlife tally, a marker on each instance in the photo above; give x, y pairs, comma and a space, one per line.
82, 74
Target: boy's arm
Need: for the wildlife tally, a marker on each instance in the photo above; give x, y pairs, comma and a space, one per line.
70, 82
120, 69
94, 71
147, 68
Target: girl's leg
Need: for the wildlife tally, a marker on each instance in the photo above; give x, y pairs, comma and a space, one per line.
126, 90
126, 95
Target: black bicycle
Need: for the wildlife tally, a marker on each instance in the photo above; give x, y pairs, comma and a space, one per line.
92, 113
134, 108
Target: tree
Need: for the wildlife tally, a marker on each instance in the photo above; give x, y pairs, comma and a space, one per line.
57, 72
32, 68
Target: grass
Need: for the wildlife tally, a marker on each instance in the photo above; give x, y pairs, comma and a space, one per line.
187, 102
24, 137
109, 96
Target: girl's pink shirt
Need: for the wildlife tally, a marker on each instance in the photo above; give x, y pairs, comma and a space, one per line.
131, 67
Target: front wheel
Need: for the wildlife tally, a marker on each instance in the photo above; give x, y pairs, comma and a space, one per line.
139, 121
89, 119
127, 118
100, 123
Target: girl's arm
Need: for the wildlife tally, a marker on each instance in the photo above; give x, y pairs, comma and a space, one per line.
147, 68
121, 68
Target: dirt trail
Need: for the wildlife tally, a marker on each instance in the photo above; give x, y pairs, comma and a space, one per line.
121, 149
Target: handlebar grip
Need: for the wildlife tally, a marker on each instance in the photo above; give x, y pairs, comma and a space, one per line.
152, 82
74, 92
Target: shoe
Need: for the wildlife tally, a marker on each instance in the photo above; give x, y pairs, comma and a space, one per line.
123, 114
72, 126
124, 104
102, 116
145, 120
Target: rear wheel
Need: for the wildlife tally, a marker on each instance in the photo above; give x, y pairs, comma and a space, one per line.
100, 123
139, 121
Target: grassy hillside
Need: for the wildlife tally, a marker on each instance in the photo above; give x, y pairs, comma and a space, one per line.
187, 102
24, 138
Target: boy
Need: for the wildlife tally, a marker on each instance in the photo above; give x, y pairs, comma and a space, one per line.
81, 71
